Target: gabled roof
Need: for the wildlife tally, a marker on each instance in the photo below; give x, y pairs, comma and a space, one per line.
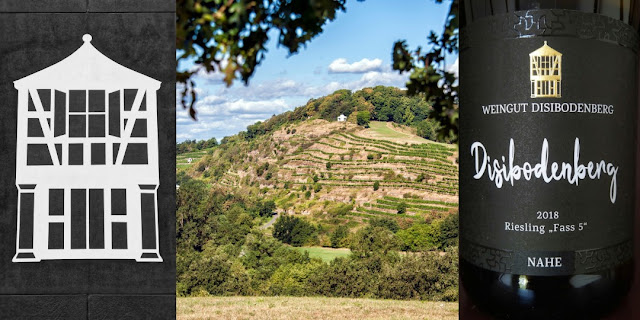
545, 50
87, 68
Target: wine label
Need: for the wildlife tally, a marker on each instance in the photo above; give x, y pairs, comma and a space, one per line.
547, 142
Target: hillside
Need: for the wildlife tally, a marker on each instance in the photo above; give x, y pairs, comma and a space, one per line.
372, 205
314, 167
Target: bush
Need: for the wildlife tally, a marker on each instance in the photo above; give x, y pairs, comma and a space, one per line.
370, 241
387, 223
266, 208
338, 236
363, 118
291, 279
328, 165
402, 207
293, 230
341, 209
370, 156
448, 235
420, 237
317, 187
376, 186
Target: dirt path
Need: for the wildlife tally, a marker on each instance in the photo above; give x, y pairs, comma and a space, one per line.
270, 222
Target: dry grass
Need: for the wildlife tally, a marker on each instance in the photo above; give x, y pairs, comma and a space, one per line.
316, 308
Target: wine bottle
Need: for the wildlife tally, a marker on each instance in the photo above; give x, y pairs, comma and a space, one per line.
548, 111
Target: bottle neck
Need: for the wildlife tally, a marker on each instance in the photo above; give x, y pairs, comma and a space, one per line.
624, 10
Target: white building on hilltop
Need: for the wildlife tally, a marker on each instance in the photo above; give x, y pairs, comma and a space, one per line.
87, 161
342, 118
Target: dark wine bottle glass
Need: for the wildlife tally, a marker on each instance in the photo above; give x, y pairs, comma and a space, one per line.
501, 277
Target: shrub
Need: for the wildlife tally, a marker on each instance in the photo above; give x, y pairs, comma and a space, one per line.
341, 209
338, 236
402, 207
293, 230
376, 186
328, 165
420, 237
266, 208
363, 118
387, 223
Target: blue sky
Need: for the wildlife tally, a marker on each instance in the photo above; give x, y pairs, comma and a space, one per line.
353, 52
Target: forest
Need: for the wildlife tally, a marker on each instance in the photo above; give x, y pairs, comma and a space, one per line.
221, 251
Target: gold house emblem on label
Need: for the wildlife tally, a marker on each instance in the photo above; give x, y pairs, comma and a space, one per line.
545, 71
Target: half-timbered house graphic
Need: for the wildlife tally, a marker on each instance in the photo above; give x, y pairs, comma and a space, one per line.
87, 161
545, 72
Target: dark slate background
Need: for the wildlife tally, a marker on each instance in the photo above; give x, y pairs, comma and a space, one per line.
35, 34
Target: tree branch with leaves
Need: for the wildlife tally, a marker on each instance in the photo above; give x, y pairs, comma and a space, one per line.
230, 36
429, 76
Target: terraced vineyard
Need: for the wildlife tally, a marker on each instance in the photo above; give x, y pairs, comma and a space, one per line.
182, 160
343, 163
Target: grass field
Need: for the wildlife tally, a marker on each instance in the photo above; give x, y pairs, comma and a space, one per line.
313, 308
384, 130
326, 254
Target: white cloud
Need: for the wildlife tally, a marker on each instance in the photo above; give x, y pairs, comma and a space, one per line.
341, 65
224, 115
222, 107
225, 111
453, 68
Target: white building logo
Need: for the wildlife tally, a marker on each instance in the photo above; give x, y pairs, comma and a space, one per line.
87, 161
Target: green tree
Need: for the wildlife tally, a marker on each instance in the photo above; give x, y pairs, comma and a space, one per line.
370, 241
376, 186
420, 237
363, 118
192, 230
408, 115
427, 129
338, 236
429, 75
266, 208
293, 230
448, 235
